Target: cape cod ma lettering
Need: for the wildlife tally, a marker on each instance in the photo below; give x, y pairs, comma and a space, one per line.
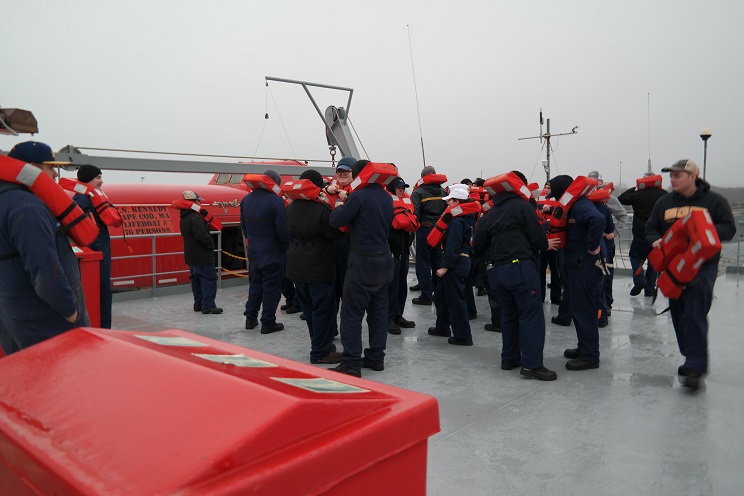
146, 219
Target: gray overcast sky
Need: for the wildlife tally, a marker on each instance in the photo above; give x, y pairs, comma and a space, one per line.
188, 76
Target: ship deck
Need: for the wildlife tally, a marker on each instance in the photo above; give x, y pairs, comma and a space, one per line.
625, 428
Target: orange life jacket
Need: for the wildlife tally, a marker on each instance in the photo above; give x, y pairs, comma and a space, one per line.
261, 181
81, 228
478, 193
104, 208
403, 218
557, 218
508, 182
374, 173
214, 223
648, 182
599, 195
303, 189
435, 236
431, 179
690, 241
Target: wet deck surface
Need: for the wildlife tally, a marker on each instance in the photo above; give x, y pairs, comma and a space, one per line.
626, 428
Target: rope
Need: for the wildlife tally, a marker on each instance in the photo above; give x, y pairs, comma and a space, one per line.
266, 117
358, 138
234, 273
536, 161
234, 256
280, 118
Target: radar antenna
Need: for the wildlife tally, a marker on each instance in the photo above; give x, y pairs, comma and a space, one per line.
546, 136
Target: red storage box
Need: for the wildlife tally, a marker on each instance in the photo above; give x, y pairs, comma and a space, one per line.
113, 412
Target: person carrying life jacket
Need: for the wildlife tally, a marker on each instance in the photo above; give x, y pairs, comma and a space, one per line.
690, 311
337, 191
549, 259
428, 206
642, 199
449, 297
311, 264
400, 239
368, 213
41, 293
198, 253
599, 197
263, 220
105, 214
513, 237
582, 261
620, 217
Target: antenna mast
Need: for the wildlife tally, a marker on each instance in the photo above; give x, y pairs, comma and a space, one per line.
648, 107
546, 136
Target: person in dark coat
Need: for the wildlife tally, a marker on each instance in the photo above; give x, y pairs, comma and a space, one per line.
368, 213
642, 201
92, 175
428, 207
311, 266
690, 311
263, 220
400, 244
198, 250
515, 237
584, 275
41, 294
449, 297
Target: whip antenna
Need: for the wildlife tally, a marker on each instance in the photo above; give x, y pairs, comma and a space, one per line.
415, 91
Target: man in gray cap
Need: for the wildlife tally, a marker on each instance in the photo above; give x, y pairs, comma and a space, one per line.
263, 219
620, 217
690, 311
198, 251
41, 294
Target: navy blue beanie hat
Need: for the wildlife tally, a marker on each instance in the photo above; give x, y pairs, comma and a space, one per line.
87, 173
357, 167
559, 185
274, 175
314, 177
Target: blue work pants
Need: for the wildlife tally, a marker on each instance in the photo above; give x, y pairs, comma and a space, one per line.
319, 306
365, 290
584, 285
428, 261
517, 286
638, 253
203, 286
690, 318
265, 291
452, 309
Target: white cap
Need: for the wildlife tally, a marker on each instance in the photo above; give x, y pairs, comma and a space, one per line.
457, 194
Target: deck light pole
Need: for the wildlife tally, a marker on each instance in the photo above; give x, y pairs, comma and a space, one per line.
705, 134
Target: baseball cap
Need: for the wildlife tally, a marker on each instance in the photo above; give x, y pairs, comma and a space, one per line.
346, 163
192, 195
34, 152
400, 183
595, 175
684, 165
457, 194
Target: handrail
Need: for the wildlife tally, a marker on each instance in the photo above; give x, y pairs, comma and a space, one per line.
154, 274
